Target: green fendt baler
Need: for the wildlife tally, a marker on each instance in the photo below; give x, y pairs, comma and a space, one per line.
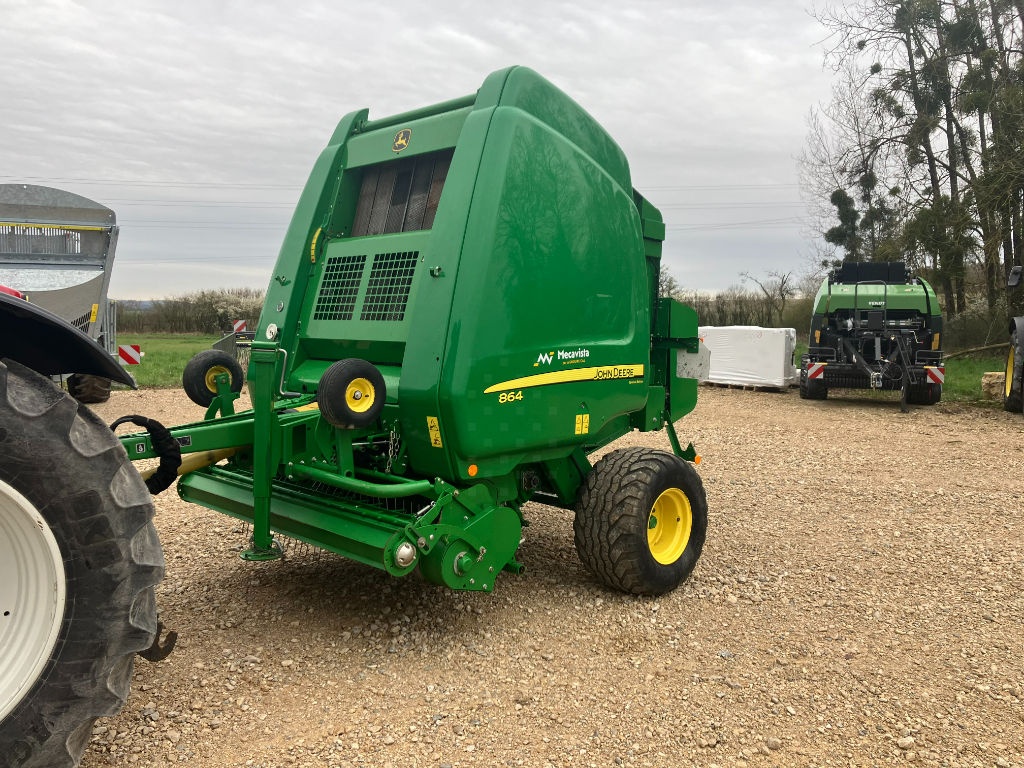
463, 310
875, 327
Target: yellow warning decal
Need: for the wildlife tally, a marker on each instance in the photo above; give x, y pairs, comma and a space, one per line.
312, 245
599, 373
434, 428
582, 423
94, 313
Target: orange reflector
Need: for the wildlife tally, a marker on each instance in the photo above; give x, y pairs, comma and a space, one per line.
473, 469
696, 459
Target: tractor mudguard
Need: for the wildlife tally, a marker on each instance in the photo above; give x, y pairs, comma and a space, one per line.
1017, 327
50, 345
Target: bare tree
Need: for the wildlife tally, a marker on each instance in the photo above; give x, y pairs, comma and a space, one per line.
929, 111
668, 286
776, 289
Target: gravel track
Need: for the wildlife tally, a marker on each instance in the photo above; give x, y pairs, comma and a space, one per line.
859, 602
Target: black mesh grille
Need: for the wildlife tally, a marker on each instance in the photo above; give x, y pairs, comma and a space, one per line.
82, 323
387, 292
339, 287
401, 195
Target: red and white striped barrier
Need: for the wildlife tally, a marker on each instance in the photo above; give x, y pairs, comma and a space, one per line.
815, 370
130, 354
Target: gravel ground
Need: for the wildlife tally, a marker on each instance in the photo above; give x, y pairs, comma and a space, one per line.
859, 602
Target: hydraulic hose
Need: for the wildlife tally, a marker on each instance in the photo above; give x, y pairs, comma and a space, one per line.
165, 446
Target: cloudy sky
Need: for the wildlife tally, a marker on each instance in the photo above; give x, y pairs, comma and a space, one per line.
198, 121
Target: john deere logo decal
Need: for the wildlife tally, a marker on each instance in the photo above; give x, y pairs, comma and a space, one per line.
401, 140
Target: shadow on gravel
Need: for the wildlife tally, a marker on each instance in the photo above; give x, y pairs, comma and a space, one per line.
327, 593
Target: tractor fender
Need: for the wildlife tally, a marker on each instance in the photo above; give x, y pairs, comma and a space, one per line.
1017, 327
50, 345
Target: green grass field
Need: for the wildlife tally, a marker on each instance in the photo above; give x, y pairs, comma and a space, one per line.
164, 356
963, 377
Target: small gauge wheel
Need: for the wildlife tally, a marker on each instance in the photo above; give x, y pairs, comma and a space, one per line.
199, 379
351, 394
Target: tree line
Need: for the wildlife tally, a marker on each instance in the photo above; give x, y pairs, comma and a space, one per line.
919, 155
774, 301
207, 312
783, 300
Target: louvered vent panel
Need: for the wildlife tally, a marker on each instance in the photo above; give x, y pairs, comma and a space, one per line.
387, 292
339, 287
401, 195
16, 238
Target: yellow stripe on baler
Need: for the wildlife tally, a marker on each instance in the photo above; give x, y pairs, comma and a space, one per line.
598, 373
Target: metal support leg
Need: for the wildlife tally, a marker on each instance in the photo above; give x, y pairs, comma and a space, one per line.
262, 366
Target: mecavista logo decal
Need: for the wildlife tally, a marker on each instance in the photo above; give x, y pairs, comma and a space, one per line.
402, 139
564, 356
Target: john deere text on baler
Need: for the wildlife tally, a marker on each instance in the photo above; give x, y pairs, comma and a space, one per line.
464, 308
875, 327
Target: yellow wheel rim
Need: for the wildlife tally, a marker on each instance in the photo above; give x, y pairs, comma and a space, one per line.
359, 395
212, 374
669, 526
1009, 371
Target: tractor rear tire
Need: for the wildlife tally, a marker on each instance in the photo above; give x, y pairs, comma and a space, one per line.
925, 394
199, 377
1013, 392
641, 520
351, 393
87, 388
79, 559
813, 390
